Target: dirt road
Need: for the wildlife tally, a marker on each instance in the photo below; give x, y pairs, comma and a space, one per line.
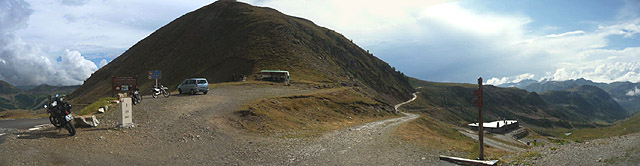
368, 144
199, 130
490, 142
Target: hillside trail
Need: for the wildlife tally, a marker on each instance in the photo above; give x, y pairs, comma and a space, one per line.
370, 143
200, 130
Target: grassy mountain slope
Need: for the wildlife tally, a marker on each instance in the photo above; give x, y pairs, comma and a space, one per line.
590, 103
6, 88
451, 102
33, 99
44, 88
229, 38
623, 127
313, 113
619, 91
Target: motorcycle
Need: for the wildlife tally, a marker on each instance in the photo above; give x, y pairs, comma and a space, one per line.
60, 114
156, 90
136, 97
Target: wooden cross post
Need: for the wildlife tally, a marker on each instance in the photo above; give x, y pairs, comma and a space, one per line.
478, 101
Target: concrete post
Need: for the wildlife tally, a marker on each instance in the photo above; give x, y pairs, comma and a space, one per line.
126, 112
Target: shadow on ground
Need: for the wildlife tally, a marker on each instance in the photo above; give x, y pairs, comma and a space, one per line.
49, 133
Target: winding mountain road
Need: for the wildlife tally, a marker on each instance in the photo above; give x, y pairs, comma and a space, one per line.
367, 144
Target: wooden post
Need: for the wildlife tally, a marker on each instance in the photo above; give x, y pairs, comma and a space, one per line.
480, 128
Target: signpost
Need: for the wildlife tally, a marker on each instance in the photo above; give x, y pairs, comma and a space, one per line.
155, 74
479, 103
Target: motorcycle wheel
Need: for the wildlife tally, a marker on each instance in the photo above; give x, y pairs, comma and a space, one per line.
154, 95
165, 93
55, 122
72, 129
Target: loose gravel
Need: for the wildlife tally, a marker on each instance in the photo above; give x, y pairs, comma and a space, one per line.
621, 150
203, 130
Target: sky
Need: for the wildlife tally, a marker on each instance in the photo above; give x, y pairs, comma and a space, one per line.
61, 42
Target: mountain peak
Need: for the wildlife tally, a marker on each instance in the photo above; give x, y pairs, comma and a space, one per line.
229, 38
6, 88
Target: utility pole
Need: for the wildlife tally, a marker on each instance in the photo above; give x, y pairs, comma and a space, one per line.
479, 102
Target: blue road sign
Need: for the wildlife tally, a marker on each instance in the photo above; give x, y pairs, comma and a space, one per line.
155, 74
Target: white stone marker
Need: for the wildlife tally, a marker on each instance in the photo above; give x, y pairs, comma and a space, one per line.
127, 113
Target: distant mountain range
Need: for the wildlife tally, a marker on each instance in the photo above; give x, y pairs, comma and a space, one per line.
31, 98
582, 106
627, 94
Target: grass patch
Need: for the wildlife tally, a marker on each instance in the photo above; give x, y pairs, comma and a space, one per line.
624, 127
436, 134
22, 114
93, 107
311, 114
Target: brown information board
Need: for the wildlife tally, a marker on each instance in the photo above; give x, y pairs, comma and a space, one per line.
121, 84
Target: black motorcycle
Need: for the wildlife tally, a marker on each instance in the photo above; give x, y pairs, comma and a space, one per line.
136, 97
60, 114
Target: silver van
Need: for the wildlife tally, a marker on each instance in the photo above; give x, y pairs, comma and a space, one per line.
194, 85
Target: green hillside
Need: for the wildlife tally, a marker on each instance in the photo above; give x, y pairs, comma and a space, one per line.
451, 102
589, 103
229, 38
619, 91
32, 99
6, 88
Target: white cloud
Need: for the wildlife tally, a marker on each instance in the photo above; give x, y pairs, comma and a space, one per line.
102, 29
369, 21
497, 81
565, 34
513, 79
435, 40
75, 67
35, 35
29, 64
449, 41
634, 92
102, 63
602, 65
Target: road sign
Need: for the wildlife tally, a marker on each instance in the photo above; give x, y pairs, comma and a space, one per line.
155, 74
